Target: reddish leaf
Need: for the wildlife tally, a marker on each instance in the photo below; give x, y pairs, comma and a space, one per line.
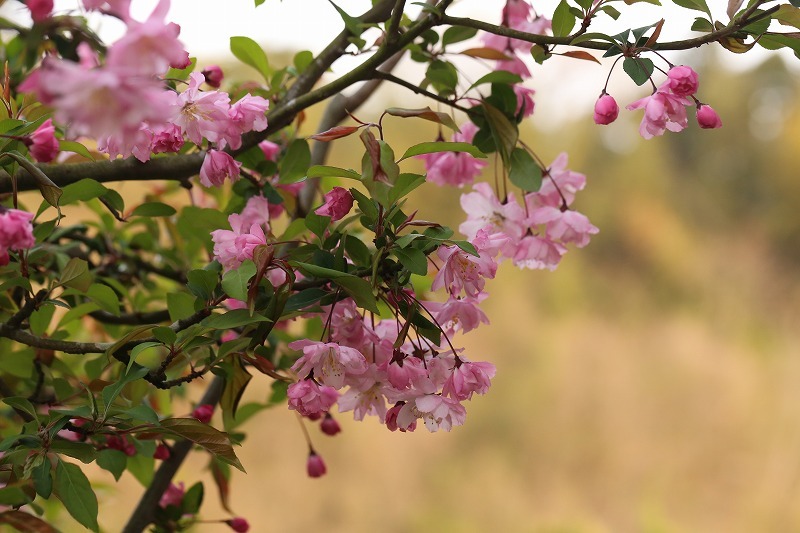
654, 37
486, 53
221, 479
425, 113
262, 364
580, 54
27, 523
374, 151
337, 132
214, 441
235, 386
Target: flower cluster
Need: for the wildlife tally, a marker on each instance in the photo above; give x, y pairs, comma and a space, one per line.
665, 109
16, 232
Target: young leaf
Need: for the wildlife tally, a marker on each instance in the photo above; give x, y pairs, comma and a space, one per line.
248, 52
457, 34
425, 113
337, 132
153, 209
486, 53
563, 20
235, 282
434, 147
324, 171
580, 54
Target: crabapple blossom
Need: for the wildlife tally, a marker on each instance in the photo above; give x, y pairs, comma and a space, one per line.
468, 378
330, 362
663, 110
707, 118
238, 524
391, 419
404, 371
270, 149
173, 495
454, 168
537, 252
606, 110
201, 114
330, 426
44, 145
564, 226
682, 80
231, 247
310, 399
525, 101
162, 453
213, 75
203, 413
462, 271
315, 466
259, 211
364, 398
338, 202
217, 166
436, 411
16, 232
458, 314
40, 9
484, 210
166, 138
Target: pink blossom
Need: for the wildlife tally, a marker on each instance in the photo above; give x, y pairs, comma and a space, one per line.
347, 326
315, 466
16, 232
468, 378
172, 496
462, 271
121, 443
536, 252
571, 226
258, 210
213, 75
391, 419
270, 149
217, 166
310, 399
99, 102
366, 398
663, 111
514, 65
44, 145
118, 8
707, 118
167, 138
405, 371
330, 426
458, 314
202, 113
238, 524
249, 113
330, 362
454, 168
484, 210
558, 187
525, 101
137, 144
437, 412
203, 413
682, 80
148, 48
231, 247
40, 9
606, 110
338, 202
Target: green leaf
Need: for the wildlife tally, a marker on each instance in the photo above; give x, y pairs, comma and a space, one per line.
21, 404
139, 348
259, 2
317, 224
697, 5
248, 52
235, 282
563, 20
425, 113
233, 319
180, 305
505, 133
40, 319
202, 283
443, 75
105, 297
441, 146
324, 171
43, 479
498, 76
50, 191
524, 172
787, 15
73, 489
114, 461
639, 69
702, 25
78, 148
294, 165
365, 204
165, 334
76, 275
213, 440
153, 209
193, 499
412, 259
404, 185
83, 190
457, 34
110, 392
359, 289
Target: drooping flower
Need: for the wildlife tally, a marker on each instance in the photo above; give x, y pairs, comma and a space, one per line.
525, 101
484, 210
203, 413
40, 9
462, 271
238, 524
458, 314
454, 168
707, 118
338, 202
217, 167
331, 362
231, 247
606, 110
536, 252
330, 426
468, 378
663, 110
564, 226
213, 75
436, 411
391, 419
16, 232
682, 80
44, 145
310, 399
315, 466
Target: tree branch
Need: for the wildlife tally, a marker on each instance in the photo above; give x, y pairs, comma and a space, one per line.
415, 88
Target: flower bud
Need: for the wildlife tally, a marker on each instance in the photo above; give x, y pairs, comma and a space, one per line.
338, 202
682, 80
315, 465
213, 76
40, 9
330, 426
606, 110
203, 413
162, 452
44, 145
707, 118
238, 524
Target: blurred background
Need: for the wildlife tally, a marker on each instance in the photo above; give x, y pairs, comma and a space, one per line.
650, 384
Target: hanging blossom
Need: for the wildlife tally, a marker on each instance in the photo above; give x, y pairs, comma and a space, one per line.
454, 168
232, 247
16, 232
